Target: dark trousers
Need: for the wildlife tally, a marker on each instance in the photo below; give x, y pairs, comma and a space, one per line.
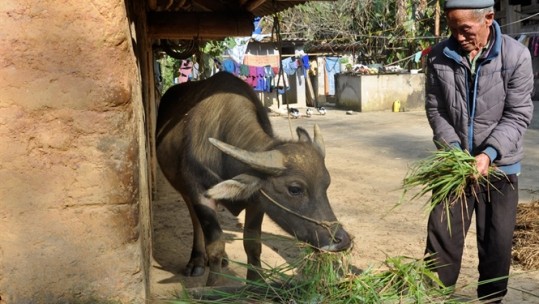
495, 214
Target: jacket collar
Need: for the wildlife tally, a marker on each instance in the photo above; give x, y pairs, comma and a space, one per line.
451, 48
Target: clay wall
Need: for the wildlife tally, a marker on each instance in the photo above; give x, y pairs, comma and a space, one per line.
72, 154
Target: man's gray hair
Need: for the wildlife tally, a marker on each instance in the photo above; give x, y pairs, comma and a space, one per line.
481, 12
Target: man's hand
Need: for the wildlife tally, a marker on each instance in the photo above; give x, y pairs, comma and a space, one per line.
483, 163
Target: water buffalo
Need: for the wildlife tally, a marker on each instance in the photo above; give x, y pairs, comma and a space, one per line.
215, 144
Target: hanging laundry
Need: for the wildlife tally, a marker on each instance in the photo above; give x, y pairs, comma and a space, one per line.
260, 80
244, 70
196, 72
208, 66
238, 51
158, 79
333, 66
305, 65
305, 62
269, 78
533, 46
417, 56
257, 26
290, 65
251, 79
230, 66
426, 51
281, 81
313, 68
186, 67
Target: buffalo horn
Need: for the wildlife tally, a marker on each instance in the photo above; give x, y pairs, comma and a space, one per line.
271, 162
319, 140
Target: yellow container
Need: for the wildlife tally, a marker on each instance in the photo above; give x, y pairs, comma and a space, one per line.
396, 106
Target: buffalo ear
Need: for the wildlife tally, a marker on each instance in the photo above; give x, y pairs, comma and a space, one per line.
240, 187
318, 139
303, 135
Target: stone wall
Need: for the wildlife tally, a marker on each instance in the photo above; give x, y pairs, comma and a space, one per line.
70, 154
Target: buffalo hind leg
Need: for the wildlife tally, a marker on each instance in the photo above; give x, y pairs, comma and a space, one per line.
215, 246
197, 262
251, 242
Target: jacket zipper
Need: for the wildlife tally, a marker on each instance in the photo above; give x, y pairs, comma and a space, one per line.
471, 111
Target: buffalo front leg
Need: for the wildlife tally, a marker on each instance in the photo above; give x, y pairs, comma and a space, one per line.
215, 246
251, 242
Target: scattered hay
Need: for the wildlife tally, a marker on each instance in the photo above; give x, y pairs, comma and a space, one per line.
526, 237
324, 277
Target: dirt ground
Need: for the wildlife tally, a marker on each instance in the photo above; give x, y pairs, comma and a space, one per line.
367, 155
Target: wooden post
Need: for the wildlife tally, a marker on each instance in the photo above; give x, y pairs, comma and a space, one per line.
310, 89
437, 19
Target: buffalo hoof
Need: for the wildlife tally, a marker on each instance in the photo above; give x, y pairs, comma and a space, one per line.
224, 263
194, 271
254, 276
213, 279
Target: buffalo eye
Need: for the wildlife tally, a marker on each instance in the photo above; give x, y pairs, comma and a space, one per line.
295, 190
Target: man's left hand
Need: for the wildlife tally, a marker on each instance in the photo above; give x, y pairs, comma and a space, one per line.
483, 163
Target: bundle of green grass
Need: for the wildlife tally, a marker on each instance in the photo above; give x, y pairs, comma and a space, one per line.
446, 174
324, 277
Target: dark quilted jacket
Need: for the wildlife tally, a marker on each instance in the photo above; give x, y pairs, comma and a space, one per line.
490, 115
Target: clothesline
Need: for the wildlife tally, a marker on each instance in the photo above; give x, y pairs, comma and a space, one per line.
265, 78
524, 33
292, 55
520, 20
425, 37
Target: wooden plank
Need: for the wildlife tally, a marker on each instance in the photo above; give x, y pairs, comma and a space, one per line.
203, 25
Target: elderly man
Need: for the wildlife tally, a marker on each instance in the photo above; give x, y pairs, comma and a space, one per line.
478, 98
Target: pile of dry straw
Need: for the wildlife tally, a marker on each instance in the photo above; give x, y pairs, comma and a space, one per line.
526, 237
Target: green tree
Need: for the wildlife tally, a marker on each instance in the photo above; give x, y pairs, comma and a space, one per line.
378, 31
169, 70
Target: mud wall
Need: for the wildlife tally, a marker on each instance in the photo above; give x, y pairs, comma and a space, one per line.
72, 164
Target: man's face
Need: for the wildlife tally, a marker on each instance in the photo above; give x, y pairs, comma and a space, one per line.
470, 30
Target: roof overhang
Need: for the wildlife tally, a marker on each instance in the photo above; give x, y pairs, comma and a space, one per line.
209, 19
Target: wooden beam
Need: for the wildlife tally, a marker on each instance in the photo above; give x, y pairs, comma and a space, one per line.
254, 4
152, 4
202, 25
